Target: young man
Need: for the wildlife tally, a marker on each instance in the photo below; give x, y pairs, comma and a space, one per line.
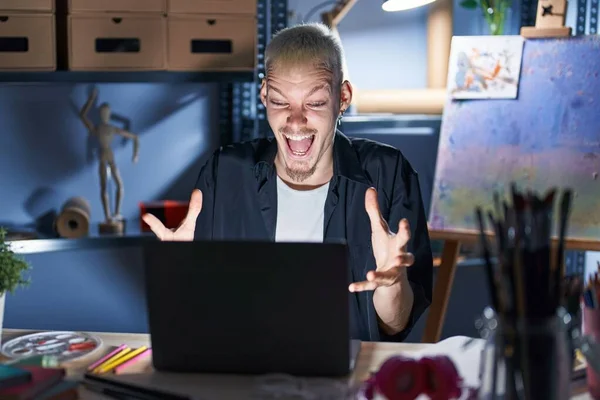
312, 183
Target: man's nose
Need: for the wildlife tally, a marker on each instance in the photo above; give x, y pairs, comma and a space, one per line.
296, 117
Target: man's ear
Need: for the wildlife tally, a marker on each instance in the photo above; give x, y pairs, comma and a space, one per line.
263, 92
345, 96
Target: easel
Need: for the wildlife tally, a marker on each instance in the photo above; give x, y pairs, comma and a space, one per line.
550, 21
447, 270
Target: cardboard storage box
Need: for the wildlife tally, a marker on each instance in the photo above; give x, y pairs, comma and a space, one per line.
212, 7
211, 42
135, 6
116, 42
27, 5
27, 42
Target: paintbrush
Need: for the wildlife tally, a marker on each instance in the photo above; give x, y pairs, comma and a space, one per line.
529, 261
565, 207
508, 341
508, 266
488, 262
497, 207
522, 344
572, 292
543, 222
502, 276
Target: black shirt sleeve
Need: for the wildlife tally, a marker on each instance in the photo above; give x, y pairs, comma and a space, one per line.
207, 183
407, 203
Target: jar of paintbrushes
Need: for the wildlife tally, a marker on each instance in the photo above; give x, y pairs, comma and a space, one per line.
529, 351
529, 361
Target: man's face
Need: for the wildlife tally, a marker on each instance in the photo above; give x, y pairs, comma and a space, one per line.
303, 105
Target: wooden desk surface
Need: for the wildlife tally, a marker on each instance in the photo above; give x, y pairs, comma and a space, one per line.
372, 355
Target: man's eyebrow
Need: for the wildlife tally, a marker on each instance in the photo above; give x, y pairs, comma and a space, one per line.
319, 87
312, 91
273, 88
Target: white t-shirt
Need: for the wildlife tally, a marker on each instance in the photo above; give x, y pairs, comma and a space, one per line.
300, 213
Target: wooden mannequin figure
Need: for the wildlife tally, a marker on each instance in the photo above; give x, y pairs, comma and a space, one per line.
104, 132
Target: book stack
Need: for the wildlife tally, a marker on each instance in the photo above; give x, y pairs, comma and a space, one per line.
22, 381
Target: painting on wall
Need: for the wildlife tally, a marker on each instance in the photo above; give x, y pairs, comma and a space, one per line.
485, 67
548, 137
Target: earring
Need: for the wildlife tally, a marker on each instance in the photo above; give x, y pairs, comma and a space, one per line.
339, 121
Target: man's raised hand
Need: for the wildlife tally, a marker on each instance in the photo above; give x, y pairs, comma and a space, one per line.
389, 249
185, 231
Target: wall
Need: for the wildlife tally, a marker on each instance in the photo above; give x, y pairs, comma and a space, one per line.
389, 50
49, 156
46, 158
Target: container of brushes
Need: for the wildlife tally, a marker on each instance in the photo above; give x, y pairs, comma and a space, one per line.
526, 360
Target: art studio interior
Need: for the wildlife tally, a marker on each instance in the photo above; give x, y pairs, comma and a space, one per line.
109, 110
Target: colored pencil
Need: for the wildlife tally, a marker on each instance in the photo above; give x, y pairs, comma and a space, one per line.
121, 360
120, 354
106, 357
127, 364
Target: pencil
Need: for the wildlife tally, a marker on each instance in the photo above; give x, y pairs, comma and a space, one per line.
106, 357
120, 354
121, 368
121, 360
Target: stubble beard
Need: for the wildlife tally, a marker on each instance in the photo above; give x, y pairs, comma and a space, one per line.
300, 175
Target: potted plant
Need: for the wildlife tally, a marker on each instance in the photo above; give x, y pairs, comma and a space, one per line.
12, 268
495, 12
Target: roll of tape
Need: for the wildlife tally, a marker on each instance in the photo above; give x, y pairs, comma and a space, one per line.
74, 219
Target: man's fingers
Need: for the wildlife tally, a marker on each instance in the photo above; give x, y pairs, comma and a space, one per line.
157, 227
404, 260
376, 279
362, 286
195, 206
403, 235
385, 278
372, 207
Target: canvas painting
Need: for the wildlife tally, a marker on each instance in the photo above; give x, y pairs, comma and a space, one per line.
548, 137
485, 67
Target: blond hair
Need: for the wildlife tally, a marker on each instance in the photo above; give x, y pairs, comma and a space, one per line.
307, 43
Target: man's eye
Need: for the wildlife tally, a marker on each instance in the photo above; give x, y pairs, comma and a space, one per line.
278, 103
317, 104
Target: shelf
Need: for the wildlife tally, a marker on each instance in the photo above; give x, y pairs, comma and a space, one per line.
36, 246
125, 77
132, 236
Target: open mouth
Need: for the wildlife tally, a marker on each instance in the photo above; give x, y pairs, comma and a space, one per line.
299, 145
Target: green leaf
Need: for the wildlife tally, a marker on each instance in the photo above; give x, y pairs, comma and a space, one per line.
12, 267
470, 4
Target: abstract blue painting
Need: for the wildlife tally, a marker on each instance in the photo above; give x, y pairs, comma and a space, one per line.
548, 136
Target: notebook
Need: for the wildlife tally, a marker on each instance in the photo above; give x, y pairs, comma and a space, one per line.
11, 376
41, 380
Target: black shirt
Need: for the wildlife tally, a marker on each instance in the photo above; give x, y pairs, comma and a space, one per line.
239, 188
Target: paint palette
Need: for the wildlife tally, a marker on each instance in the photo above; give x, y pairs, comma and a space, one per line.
65, 346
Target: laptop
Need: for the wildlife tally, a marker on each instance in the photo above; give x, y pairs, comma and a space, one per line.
249, 307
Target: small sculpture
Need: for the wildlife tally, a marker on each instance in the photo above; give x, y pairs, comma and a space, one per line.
104, 132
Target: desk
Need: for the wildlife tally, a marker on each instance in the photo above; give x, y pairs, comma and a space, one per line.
372, 355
